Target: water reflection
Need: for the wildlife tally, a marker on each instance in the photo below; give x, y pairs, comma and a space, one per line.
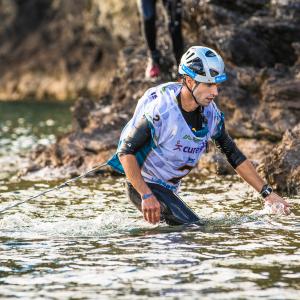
23, 125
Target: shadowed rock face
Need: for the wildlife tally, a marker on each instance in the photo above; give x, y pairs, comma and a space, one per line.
248, 33
259, 41
282, 166
29, 16
59, 49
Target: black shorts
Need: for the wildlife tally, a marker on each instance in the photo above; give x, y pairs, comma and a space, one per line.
173, 210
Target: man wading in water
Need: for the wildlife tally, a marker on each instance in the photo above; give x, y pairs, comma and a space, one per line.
168, 134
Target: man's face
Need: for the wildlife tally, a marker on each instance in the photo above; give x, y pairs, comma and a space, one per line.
205, 93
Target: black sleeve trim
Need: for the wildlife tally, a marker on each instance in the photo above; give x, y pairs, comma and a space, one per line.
136, 139
227, 146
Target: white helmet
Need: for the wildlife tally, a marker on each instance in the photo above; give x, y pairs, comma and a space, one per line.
203, 65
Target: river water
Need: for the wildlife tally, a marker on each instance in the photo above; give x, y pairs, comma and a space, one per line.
88, 242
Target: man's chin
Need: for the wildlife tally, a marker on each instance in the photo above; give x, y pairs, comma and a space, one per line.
206, 102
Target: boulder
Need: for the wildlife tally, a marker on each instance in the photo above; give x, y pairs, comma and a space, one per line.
281, 167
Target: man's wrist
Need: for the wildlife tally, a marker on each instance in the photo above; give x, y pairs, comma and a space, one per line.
146, 196
266, 191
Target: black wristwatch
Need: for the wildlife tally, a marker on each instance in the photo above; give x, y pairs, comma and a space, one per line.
266, 191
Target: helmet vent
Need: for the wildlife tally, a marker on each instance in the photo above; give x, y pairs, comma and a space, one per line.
209, 53
196, 65
189, 55
213, 73
194, 60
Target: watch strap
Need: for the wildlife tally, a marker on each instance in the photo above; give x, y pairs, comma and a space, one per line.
266, 191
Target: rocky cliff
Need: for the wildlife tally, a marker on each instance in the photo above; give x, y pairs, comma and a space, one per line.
54, 49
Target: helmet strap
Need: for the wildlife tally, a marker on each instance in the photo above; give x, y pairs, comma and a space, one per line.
201, 108
192, 91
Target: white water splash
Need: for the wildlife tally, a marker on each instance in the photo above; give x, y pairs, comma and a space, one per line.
107, 223
274, 209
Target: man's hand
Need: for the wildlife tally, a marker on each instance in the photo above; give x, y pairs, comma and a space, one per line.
151, 209
278, 204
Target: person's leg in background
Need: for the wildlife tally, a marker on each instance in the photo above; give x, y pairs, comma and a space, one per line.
174, 10
148, 16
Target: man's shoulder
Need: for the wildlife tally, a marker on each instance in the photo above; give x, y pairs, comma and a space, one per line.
170, 87
162, 97
163, 89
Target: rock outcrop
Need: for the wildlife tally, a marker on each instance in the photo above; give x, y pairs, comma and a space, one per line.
54, 49
282, 165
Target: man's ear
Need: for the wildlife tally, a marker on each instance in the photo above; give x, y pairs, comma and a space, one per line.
189, 81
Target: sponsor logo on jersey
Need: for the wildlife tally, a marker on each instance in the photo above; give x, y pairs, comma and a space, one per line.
178, 146
190, 160
192, 138
188, 149
192, 149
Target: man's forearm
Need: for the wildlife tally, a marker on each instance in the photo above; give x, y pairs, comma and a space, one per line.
133, 173
247, 171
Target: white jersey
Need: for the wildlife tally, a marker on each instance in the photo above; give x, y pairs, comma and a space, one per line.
173, 149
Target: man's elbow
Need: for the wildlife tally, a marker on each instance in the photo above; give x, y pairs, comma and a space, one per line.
124, 156
237, 159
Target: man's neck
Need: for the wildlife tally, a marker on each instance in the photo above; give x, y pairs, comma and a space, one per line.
187, 102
